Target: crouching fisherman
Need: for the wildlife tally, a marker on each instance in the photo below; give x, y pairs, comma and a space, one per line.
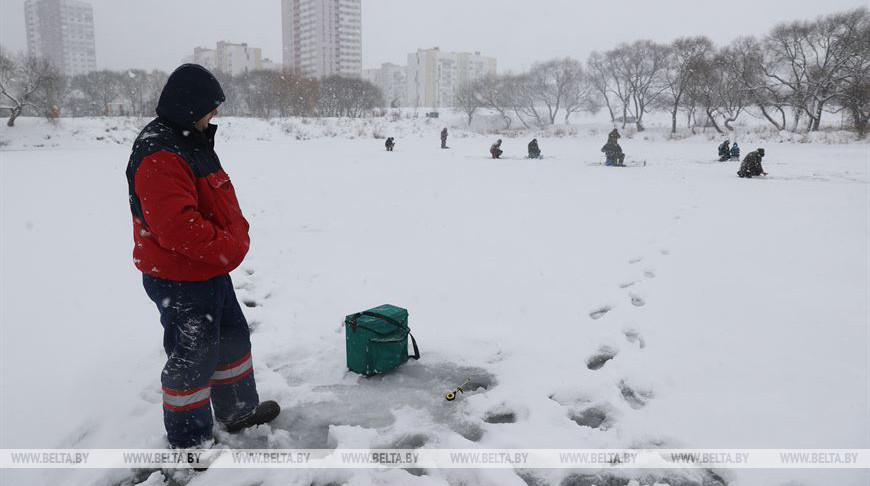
751, 165
189, 233
495, 150
389, 144
613, 153
724, 152
534, 150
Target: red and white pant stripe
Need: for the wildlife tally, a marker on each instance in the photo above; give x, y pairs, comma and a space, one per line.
188, 399
232, 372
181, 400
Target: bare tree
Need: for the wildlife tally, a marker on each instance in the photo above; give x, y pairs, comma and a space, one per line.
296, 94
600, 81
258, 92
136, 87
732, 96
100, 88
549, 82
466, 100
27, 82
855, 98
641, 66
494, 93
578, 90
719, 91
523, 93
607, 82
747, 57
681, 72
350, 97
156, 81
854, 92
809, 60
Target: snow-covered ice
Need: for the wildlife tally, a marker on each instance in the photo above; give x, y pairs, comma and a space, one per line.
670, 305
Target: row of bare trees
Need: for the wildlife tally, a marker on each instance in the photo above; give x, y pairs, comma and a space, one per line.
32, 85
791, 78
537, 97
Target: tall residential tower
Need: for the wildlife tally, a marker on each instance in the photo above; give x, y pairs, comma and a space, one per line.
322, 37
62, 31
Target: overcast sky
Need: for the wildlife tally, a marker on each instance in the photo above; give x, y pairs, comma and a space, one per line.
159, 33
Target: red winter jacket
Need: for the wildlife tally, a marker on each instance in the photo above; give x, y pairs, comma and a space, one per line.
187, 224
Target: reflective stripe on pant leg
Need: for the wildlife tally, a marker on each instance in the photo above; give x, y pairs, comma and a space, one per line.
191, 339
232, 372
234, 391
183, 400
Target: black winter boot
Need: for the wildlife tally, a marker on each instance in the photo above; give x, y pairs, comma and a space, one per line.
265, 413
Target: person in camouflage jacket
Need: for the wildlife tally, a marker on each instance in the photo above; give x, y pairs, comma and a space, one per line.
751, 165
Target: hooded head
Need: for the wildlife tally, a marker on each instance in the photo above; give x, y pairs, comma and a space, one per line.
760, 152
191, 92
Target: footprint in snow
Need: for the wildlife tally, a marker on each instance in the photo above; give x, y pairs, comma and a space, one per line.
597, 361
585, 413
593, 417
599, 313
665, 252
635, 260
634, 398
633, 336
649, 273
637, 301
500, 415
626, 285
409, 441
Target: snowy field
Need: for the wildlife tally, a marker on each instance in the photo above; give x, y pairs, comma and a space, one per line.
672, 305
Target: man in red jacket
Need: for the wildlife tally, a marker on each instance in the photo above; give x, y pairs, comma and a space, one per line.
189, 233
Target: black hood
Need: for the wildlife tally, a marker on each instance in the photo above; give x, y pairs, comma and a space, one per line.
191, 92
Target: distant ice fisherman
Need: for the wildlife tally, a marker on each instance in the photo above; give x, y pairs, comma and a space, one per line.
751, 165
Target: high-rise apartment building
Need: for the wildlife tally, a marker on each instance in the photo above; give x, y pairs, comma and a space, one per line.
62, 31
322, 37
230, 58
433, 75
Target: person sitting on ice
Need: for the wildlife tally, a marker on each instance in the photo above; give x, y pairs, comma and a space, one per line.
495, 149
389, 144
751, 165
613, 153
735, 152
724, 153
534, 150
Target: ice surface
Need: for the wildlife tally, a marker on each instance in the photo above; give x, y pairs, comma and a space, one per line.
750, 299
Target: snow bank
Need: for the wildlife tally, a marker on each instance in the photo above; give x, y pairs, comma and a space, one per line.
39, 133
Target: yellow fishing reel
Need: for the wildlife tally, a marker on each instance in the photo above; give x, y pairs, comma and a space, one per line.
451, 395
